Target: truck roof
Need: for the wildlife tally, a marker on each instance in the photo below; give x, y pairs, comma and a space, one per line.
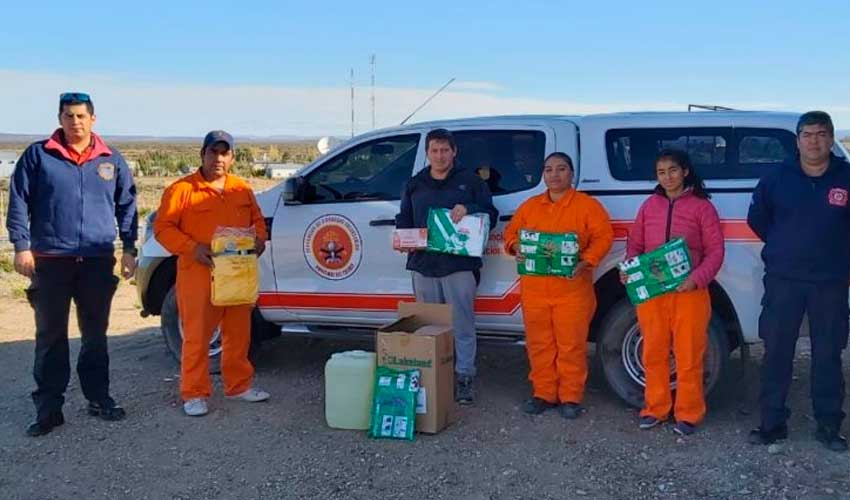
629, 115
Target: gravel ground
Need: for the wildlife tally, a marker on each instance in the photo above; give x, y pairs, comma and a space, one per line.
283, 449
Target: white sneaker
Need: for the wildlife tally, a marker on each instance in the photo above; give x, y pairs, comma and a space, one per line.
252, 395
196, 407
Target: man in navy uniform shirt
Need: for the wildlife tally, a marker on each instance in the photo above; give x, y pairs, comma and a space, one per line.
70, 196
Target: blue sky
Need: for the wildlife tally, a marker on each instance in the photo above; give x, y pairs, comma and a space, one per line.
262, 68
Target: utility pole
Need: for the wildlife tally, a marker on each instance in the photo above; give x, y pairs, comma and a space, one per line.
372, 62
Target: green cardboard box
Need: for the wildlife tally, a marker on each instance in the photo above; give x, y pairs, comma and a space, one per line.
657, 272
548, 254
468, 237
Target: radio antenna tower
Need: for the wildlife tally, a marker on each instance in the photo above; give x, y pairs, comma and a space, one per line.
352, 102
372, 62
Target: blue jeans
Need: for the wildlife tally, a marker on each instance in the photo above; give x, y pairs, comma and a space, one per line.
458, 290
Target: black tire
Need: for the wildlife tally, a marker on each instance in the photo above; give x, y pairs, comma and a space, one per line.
261, 330
618, 349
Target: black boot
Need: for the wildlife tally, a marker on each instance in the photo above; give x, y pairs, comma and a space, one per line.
106, 410
465, 390
831, 438
44, 426
536, 406
571, 411
761, 436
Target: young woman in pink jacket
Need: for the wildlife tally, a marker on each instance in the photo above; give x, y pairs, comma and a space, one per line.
679, 208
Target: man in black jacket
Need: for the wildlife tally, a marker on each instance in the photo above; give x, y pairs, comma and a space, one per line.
444, 278
801, 213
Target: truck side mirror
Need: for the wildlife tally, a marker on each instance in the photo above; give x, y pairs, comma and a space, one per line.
292, 189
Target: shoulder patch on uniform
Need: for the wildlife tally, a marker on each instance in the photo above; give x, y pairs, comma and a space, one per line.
106, 171
838, 197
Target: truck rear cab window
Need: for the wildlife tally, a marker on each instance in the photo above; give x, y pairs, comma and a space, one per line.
717, 153
375, 170
760, 150
508, 160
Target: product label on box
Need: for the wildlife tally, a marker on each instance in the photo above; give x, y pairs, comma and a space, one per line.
400, 427
405, 361
387, 426
422, 402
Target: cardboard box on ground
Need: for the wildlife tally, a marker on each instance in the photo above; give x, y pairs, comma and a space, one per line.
422, 339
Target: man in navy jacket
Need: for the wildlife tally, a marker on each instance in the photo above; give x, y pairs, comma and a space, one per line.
801, 213
66, 195
444, 278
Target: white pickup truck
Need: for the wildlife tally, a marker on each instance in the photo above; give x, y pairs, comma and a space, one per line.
330, 269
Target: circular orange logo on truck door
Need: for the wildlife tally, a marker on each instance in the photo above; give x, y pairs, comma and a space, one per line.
332, 247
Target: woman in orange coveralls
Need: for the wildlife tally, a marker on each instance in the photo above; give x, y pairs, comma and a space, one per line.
679, 208
557, 310
189, 213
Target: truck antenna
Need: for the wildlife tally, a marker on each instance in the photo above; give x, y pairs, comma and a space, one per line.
427, 101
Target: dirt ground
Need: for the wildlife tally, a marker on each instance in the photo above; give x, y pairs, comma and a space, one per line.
283, 449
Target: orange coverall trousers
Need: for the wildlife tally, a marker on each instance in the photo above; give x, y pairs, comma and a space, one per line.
188, 215
678, 321
556, 330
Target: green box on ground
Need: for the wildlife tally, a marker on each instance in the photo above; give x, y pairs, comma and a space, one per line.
394, 403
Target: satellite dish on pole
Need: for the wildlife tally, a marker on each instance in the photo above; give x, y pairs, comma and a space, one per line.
325, 144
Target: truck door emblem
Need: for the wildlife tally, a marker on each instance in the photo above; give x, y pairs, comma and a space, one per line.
333, 247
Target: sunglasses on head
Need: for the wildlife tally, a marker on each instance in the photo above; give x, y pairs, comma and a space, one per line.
67, 97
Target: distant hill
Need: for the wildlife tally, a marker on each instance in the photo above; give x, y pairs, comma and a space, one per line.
27, 138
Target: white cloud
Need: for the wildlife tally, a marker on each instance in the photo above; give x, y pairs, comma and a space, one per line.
129, 106
471, 85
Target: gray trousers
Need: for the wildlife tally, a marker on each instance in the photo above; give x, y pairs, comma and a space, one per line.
457, 290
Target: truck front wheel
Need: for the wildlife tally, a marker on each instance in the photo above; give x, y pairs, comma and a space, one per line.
619, 350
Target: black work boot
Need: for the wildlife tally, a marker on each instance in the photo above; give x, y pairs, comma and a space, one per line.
465, 389
106, 410
571, 411
536, 406
762, 436
43, 426
831, 438
648, 422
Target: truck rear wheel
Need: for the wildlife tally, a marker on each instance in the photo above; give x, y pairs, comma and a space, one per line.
619, 350
172, 331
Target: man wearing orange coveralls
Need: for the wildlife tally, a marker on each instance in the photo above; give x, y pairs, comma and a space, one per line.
189, 213
557, 310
